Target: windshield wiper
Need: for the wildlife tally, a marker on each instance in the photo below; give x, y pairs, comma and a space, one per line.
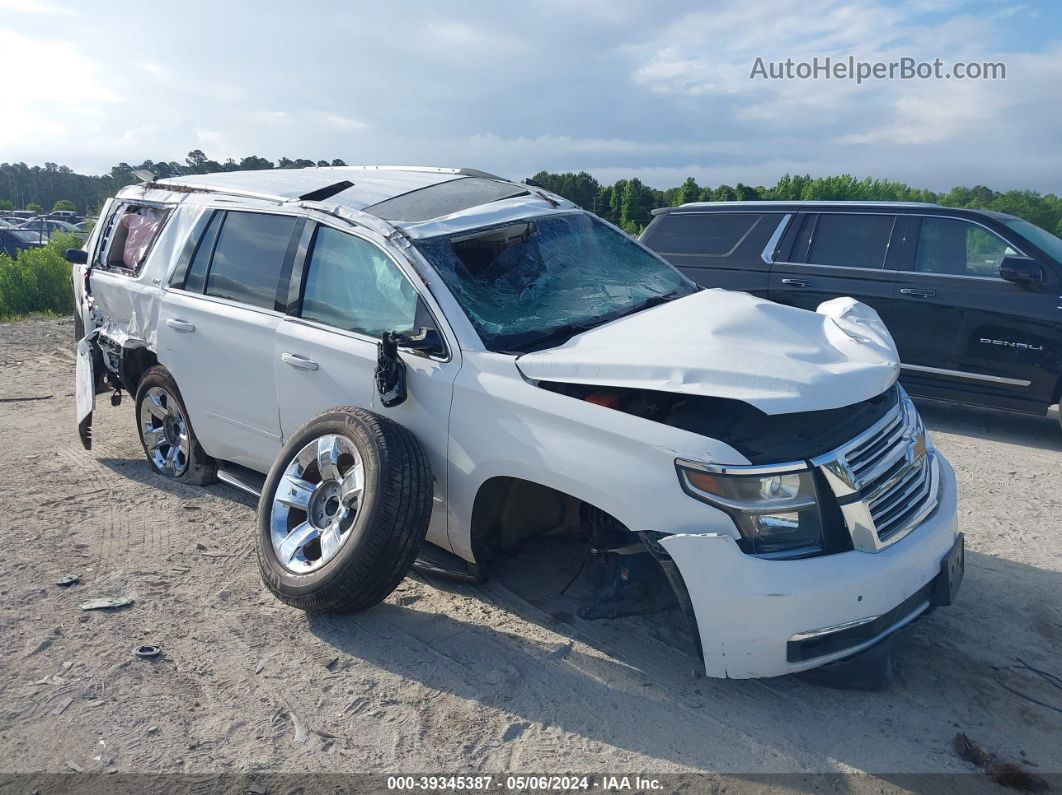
561, 334
555, 336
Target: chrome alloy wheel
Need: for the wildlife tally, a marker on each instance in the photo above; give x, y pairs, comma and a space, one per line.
165, 431
316, 503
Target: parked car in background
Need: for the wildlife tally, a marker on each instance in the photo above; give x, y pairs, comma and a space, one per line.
973, 298
44, 227
392, 355
13, 241
70, 216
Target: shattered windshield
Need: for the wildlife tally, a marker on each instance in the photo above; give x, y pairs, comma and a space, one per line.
536, 283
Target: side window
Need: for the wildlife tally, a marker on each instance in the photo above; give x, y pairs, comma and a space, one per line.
351, 284
126, 240
706, 234
958, 248
249, 256
851, 240
195, 280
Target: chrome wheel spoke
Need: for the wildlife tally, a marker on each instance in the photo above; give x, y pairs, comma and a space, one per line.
328, 457
294, 492
331, 539
154, 405
154, 438
295, 542
353, 484
171, 461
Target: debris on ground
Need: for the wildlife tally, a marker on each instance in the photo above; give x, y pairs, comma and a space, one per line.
1006, 774
62, 705
106, 603
147, 651
70, 579
20, 399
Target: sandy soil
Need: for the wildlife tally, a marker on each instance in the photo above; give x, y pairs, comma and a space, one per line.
459, 678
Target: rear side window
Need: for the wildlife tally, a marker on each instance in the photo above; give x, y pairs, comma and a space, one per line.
851, 240
959, 248
704, 234
127, 238
249, 256
351, 284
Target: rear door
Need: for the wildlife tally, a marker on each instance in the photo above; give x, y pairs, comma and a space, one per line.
719, 249
833, 254
345, 293
216, 332
964, 332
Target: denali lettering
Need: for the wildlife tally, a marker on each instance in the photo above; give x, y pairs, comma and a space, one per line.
1008, 344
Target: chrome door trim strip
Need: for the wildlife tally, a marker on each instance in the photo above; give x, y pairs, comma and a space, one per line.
995, 379
768, 251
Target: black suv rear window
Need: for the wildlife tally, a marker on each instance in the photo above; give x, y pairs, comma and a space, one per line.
249, 256
706, 234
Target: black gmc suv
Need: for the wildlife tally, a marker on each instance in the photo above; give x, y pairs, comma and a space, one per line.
973, 298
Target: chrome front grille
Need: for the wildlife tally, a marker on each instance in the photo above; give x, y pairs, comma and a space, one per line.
885, 479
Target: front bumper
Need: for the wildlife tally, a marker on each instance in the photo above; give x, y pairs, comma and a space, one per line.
750, 611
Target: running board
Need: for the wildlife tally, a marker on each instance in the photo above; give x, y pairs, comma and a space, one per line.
431, 559
437, 562
242, 478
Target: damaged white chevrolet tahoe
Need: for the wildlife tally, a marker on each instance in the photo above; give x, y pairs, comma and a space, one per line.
431, 366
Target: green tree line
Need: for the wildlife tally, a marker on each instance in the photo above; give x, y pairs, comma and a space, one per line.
628, 202
60, 187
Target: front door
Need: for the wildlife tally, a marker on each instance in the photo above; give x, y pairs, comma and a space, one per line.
325, 352
839, 254
961, 330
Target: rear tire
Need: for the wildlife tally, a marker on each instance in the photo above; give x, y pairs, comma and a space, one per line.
166, 434
343, 512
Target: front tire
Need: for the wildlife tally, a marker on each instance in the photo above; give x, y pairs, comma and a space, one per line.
166, 434
343, 512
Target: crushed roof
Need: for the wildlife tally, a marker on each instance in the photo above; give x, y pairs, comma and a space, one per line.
372, 184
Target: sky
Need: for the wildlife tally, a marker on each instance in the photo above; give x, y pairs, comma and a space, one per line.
658, 91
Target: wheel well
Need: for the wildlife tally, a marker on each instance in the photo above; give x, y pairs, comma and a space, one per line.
135, 362
509, 510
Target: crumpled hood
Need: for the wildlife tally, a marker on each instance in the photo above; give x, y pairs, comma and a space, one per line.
733, 345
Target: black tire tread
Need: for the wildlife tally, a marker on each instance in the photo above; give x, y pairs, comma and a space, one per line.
394, 532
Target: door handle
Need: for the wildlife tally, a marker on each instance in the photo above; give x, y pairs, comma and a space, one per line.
917, 292
300, 362
180, 325
796, 282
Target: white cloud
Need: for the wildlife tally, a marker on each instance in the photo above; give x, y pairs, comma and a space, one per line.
35, 7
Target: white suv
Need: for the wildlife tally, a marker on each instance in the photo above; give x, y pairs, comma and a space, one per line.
416, 354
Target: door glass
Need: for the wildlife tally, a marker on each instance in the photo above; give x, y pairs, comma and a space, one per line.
959, 248
195, 280
851, 240
708, 234
249, 257
351, 284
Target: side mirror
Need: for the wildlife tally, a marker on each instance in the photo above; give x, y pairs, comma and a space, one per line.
76, 256
1024, 272
423, 340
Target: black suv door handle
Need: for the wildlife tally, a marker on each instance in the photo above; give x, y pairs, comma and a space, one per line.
918, 292
796, 282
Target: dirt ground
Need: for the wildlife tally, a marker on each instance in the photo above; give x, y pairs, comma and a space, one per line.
457, 678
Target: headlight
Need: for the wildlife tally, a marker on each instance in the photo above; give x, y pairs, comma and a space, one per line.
776, 509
